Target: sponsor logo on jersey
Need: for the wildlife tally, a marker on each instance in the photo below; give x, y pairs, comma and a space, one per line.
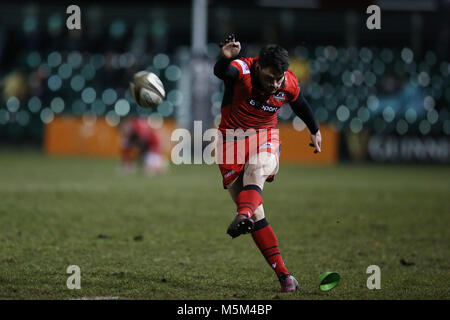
229, 174
244, 66
267, 145
280, 96
263, 106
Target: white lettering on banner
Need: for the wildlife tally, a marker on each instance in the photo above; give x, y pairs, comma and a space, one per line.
391, 148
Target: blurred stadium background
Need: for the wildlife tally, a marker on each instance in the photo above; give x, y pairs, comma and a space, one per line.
384, 93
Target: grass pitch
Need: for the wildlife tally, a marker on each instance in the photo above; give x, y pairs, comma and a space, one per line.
136, 237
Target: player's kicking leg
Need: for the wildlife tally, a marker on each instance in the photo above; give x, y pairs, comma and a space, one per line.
246, 191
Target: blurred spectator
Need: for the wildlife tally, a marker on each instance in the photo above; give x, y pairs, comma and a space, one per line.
15, 84
141, 145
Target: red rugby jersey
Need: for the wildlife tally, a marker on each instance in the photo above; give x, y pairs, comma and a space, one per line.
245, 106
146, 133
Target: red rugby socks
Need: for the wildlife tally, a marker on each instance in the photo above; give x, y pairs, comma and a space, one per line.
267, 243
248, 200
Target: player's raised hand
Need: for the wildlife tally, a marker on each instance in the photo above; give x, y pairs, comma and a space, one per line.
316, 142
230, 48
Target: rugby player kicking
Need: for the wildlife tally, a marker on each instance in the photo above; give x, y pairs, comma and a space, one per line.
255, 90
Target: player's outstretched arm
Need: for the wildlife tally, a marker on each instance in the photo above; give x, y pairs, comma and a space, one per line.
303, 110
230, 49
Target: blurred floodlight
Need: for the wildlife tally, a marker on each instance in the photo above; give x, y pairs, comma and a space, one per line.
29, 24
365, 54
88, 95
44, 70
331, 103
97, 61
34, 104
428, 102
117, 29
65, 71
423, 79
122, 107
335, 69
129, 97
364, 114
432, 116
173, 73
369, 78
54, 82
57, 105
154, 70
89, 118
378, 67
330, 53
109, 96
357, 77
143, 111
284, 114
175, 96
33, 59
386, 55
13, 104
407, 55
98, 107
347, 78
446, 127
78, 107
47, 115
161, 61
437, 82
77, 83
319, 51
342, 113
356, 125
343, 55
430, 58
155, 120
373, 102
411, 115
23, 118
54, 22
352, 102
362, 92
74, 59
54, 59
112, 118
4, 116
88, 72
321, 114
298, 124
328, 90
389, 114
424, 127
165, 109
401, 127
301, 52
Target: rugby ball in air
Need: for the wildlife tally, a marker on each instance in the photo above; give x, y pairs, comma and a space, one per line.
147, 89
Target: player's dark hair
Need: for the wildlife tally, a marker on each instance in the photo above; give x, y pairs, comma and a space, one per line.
274, 56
